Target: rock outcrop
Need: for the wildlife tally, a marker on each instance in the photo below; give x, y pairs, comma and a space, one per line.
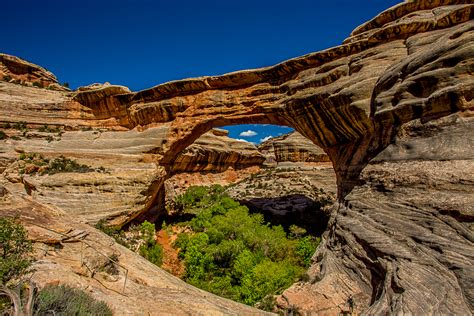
292, 147
216, 152
291, 193
392, 107
73, 253
17, 70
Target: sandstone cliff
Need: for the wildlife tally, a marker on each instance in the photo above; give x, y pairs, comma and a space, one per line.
392, 107
71, 252
292, 147
17, 70
216, 152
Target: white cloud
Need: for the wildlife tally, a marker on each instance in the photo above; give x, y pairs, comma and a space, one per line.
265, 139
248, 133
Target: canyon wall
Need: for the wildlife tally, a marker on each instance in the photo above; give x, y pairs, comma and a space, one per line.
292, 147
216, 152
391, 107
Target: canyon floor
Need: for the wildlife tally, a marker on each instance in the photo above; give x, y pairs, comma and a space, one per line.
383, 142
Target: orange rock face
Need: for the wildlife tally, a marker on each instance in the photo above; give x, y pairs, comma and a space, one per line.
14, 69
292, 147
391, 107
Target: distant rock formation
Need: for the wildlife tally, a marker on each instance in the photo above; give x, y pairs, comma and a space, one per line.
391, 107
17, 70
292, 147
216, 152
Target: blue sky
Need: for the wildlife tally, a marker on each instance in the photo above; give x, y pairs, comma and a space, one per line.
256, 133
142, 43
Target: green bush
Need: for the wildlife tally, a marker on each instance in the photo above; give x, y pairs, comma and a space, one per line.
20, 125
142, 237
235, 254
267, 277
197, 198
3, 135
65, 300
46, 129
38, 84
306, 247
14, 250
53, 166
151, 251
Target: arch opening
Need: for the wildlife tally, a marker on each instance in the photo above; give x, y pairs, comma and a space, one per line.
287, 180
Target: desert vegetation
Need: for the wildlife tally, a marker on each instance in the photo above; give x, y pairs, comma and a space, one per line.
20, 297
232, 253
138, 238
66, 300
33, 163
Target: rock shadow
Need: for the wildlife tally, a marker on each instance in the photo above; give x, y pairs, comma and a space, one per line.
294, 209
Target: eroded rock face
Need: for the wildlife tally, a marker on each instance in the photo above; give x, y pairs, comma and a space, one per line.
216, 152
391, 107
291, 193
73, 253
402, 241
292, 147
14, 69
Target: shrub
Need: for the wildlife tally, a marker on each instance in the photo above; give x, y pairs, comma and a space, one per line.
306, 247
38, 84
150, 250
20, 125
46, 129
14, 249
56, 165
142, 237
63, 164
65, 84
65, 300
268, 277
3, 135
232, 253
111, 266
153, 253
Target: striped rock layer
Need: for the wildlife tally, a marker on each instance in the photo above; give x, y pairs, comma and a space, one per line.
391, 107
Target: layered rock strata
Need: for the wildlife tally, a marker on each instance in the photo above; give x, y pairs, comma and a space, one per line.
216, 152
17, 70
292, 147
73, 253
391, 107
290, 194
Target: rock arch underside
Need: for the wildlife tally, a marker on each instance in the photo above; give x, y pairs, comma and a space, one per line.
392, 107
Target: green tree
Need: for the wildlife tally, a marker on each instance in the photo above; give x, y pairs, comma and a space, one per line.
14, 250
235, 254
150, 250
305, 248
268, 277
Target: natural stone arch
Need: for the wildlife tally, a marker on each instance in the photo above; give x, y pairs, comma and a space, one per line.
363, 102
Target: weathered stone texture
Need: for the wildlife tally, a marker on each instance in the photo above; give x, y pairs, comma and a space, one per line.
391, 107
292, 147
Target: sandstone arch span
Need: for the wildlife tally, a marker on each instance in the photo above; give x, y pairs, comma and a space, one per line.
349, 99
392, 106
